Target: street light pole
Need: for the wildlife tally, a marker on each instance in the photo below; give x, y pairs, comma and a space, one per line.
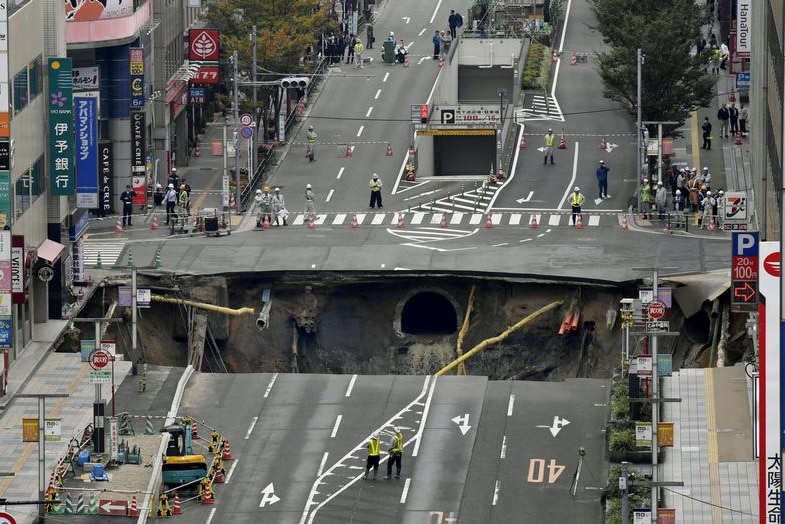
236, 138
254, 139
639, 129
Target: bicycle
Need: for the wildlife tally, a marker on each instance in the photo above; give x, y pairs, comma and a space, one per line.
750, 364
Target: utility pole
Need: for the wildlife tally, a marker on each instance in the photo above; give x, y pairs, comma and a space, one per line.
236, 138
639, 155
659, 125
253, 63
655, 407
625, 494
255, 138
225, 172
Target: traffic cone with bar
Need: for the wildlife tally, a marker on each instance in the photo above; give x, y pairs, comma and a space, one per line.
132, 510
523, 142
389, 150
562, 141
738, 141
226, 454
578, 221
220, 472
232, 202
194, 429
488, 221
401, 223
443, 222
118, 226
406, 62
533, 222
712, 224
603, 143
154, 224
311, 224
349, 151
625, 225
441, 61
177, 510
355, 224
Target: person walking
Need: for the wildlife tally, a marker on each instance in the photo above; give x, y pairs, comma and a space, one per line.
733, 113
350, 52
170, 198
266, 210
661, 200
173, 178
358, 54
158, 196
548, 142
645, 197
279, 207
723, 115
452, 21
127, 198
187, 187
678, 207
396, 452
437, 45
602, 179
706, 127
744, 116
576, 201
694, 186
258, 200
374, 455
376, 191
310, 135
310, 205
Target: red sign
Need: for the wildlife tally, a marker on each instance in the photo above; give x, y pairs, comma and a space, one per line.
99, 359
204, 45
112, 507
206, 75
6, 518
744, 291
772, 264
656, 309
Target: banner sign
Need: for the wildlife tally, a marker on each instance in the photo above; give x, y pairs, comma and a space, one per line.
86, 79
86, 152
743, 37
5, 199
137, 77
106, 174
138, 142
204, 45
6, 332
61, 127
18, 269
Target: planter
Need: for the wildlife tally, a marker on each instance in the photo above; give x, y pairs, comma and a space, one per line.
634, 457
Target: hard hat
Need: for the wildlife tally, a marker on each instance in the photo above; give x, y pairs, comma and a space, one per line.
171, 186
396, 429
158, 186
550, 130
277, 190
704, 186
576, 189
375, 175
266, 189
645, 180
659, 183
375, 435
392, 34
721, 192
310, 128
602, 161
708, 192
705, 168
258, 191
174, 170
307, 186
678, 191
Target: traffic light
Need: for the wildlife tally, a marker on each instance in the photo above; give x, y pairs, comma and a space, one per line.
424, 113
298, 82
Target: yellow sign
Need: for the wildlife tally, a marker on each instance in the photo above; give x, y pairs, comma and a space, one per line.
665, 434
456, 132
30, 430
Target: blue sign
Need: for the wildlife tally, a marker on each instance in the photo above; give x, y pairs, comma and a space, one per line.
86, 116
743, 80
6, 333
80, 221
246, 132
197, 95
745, 244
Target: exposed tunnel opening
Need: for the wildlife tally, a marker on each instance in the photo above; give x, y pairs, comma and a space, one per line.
428, 313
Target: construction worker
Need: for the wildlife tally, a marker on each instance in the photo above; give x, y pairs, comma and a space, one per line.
719, 209
576, 201
396, 452
182, 200
661, 200
266, 210
173, 178
279, 207
645, 192
548, 144
127, 199
374, 452
376, 191
708, 210
311, 136
170, 199
358, 53
678, 207
258, 203
310, 206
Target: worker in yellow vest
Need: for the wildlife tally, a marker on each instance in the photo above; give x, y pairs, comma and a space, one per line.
358, 53
374, 453
576, 201
396, 452
548, 143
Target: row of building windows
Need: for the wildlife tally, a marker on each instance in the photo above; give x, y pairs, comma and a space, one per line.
29, 187
27, 85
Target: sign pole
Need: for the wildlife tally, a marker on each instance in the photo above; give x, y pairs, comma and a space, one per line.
655, 410
98, 427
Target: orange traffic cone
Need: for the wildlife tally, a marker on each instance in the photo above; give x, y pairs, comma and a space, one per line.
349, 151
625, 225
207, 495
488, 221
355, 224
523, 142
443, 222
311, 224
401, 223
194, 429
533, 222
738, 141
562, 141
132, 511
266, 223
389, 150
227, 451
603, 143
732, 97
578, 222
154, 225
232, 202
177, 510
574, 59
406, 62
712, 225
118, 226
441, 62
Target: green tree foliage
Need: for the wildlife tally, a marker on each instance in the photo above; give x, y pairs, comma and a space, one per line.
674, 82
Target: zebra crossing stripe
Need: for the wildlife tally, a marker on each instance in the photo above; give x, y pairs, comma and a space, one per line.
417, 218
298, 220
378, 218
594, 220
320, 219
437, 218
553, 220
339, 218
360, 218
533, 218
496, 219
475, 219
456, 218
515, 219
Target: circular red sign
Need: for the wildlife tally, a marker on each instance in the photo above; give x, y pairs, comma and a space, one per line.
6, 518
656, 309
100, 359
772, 264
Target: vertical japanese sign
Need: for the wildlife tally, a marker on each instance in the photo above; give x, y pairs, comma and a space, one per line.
137, 77
5, 184
5, 119
61, 127
86, 110
106, 169
18, 269
138, 156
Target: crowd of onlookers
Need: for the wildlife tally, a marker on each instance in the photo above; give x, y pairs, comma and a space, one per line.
683, 192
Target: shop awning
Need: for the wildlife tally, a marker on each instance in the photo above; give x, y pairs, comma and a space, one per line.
50, 250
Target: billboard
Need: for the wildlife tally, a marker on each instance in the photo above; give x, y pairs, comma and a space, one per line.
743, 37
204, 45
86, 79
137, 77
86, 110
61, 127
18, 269
88, 10
106, 177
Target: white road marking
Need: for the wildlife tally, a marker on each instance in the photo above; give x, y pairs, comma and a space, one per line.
515, 219
554, 220
231, 470
250, 428
423, 59
351, 386
502, 244
561, 48
571, 185
368, 113
360, 131
406, 19
336, 425
386, 76
417, 218
496, 492
378, 218
424, 29
378, 92
424, 418
405, 490
360, 218
268, 496
456, 218
212, 514
270, 385
503, 452
322, 463
594, 220
329, 195
339, 219
433, 16
340, 173
510, 405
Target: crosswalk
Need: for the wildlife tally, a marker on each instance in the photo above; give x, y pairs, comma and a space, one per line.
110, 251
540, 107
471, 201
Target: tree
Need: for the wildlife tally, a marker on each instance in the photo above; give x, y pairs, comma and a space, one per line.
673, 82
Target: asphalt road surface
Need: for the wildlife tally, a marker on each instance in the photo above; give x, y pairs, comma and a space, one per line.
475, 450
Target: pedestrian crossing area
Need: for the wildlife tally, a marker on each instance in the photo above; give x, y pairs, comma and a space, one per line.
110, 251
472, 201
540, 107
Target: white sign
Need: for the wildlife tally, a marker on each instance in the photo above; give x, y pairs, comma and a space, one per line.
734, 209
5, 305
113, 445
467, 115
644, 365
109, 346
643, 434
5, 245
52, 429
641, 516
86, 79
268, 496
143, 297
100, 377
743, 37
657, 326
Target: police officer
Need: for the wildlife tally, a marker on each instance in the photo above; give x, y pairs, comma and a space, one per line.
173, 178
374, 453
376, 191
311, 136
396, 452
128, 204
576, 201
548, 143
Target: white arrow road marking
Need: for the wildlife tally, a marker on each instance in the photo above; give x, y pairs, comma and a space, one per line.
423, 59
268, 496
463, 423
558, 424
529, 197
610, 147
108, 506
406, 19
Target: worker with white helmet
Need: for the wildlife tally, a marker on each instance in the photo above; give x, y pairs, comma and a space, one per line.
170, 199
264, 201
310, 206
311, 148
576, 201
661, 200
396, 453
709, 203
374, 455
678, 206
376, 191
719, 209
279, 207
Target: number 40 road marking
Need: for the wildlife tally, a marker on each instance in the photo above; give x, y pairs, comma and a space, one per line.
537, 469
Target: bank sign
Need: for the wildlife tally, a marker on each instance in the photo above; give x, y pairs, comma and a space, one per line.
61, 127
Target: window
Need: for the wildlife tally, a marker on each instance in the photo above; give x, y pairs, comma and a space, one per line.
28, 84
20, 91
28, 188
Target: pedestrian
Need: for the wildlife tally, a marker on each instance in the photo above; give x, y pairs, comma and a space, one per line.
723, 115
358, 54
158, 195
714, 59
645, 196
452, 21
187, 188
266, 210
311, 136
719, 209
173, 178
576, 201
376, 191
446, 41
183, 201
279, 207
707, 138
548, 143
350, 52
708, 210
369, 36
602, 179
706, 177
437, 45
310, 206
258, 200
678, 207
661, 200
127, 198
724, 55
733, 113
744, 116
374, 453
170, 198
673, 180
694, 186
396, 453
